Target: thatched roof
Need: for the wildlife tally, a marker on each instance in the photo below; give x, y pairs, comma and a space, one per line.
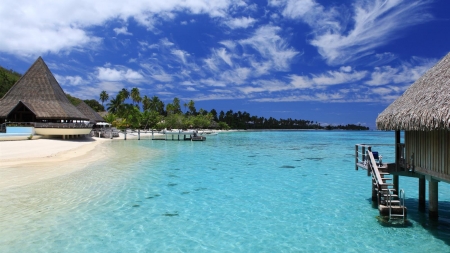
93, 116
38, 90
424, 106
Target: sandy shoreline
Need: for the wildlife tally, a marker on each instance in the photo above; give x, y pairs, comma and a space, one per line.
27, 161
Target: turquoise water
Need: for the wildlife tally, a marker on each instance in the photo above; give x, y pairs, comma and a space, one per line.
290, 191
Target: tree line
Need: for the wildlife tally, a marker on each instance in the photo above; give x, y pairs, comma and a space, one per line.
158, 115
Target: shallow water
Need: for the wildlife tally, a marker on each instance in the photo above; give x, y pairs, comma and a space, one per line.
275, 191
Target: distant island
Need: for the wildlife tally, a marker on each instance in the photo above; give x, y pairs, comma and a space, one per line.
155, 114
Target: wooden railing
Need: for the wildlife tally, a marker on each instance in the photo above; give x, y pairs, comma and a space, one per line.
49, 125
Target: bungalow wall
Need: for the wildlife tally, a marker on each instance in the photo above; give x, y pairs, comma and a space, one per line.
431, 151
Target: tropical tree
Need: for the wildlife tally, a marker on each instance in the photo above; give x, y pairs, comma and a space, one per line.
124, 94
170, 109
146, 103
110, 118
150, 119
104, 96
136, 96
114, 104
185, 106
191, 106
156, 105
176, 105
94, 104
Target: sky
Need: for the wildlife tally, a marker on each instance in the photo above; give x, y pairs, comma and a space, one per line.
330, 61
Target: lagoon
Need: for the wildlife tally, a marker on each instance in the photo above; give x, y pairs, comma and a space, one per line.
267, 191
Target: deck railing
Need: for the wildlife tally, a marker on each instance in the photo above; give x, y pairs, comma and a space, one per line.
362, 160
49, 125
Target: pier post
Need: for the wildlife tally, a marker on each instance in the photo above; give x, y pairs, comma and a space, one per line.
139, 134
433, 198
397, 150
365, 157
111, 133
422, 194
356, 157
374, 192
152, 135
125, 135
395, 181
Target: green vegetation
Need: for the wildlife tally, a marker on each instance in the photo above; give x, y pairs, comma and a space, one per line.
157, 115
7, 79
94, 104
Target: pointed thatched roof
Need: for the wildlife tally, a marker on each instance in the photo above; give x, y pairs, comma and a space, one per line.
38, 90
424, 106
93, 116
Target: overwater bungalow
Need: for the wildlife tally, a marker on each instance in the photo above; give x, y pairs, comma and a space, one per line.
423, 113
37, 102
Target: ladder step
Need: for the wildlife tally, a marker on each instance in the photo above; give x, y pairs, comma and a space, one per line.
386, 178
392, 195
397, 215
393, 201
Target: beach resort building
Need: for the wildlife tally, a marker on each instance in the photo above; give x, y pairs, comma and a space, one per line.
37, 101
423, 113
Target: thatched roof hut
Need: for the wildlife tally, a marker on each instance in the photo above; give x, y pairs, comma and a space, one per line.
38, 96
425, 105
93, 116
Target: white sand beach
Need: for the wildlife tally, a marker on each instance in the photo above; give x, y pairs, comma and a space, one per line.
28, 161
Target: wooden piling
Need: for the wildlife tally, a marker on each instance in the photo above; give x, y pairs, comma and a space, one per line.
433, 198
395, 181
422, 194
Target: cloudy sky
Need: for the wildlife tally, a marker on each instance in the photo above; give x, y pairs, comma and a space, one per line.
331, 61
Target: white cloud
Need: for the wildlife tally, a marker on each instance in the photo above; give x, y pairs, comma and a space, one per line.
294, 8
222, 53
374, 23
182, 55
116, 75
346, 68
37, 27
243, 22
122, 30
70, 80
337, 77
407, 73
271, 47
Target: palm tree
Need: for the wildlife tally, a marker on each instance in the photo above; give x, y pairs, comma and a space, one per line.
156, 105
104, 96
123, 95
136, 96
191, 106
146, 103
114, 104
176, 105
185, 105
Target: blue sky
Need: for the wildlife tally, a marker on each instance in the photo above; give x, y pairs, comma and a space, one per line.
335, 62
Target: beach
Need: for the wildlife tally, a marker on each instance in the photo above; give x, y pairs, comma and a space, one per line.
29, 161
